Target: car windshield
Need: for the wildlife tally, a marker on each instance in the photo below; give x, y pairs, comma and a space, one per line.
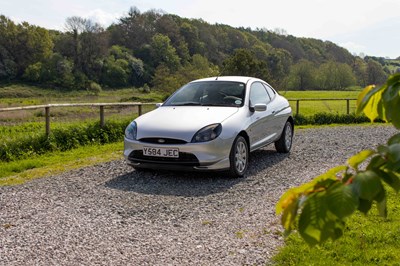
209, 93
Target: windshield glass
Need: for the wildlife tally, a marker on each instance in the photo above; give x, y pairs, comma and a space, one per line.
209, 93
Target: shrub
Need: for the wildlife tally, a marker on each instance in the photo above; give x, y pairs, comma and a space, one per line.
94, 88
330, 118
62, 139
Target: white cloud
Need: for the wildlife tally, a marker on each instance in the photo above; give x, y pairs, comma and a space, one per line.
103, 18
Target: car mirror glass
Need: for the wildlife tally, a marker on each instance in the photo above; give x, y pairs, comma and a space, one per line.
158, 105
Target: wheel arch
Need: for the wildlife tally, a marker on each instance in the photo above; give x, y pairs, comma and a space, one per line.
291, 120
246, 137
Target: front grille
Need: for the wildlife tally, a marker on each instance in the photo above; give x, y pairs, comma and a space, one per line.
162, 141
186, 159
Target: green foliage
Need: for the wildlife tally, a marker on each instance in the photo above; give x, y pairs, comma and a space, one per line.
244, 63
121, 68
163, 52
132, 51
318, 209
20, 46
94, 88
375, 72
330, 118
302, 76
168, 81
62, 139
367, 240
335, 76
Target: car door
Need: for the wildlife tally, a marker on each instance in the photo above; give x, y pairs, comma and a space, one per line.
279, 120
260, 132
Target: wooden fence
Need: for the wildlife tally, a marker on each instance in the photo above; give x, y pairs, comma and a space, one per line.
297, 110
101, 106
47, 107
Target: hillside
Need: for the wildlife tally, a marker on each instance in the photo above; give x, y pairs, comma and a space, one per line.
164, 51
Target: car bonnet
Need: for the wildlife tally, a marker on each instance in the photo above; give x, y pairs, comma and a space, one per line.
180, 122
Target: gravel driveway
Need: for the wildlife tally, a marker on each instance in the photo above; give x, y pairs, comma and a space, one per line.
112, 215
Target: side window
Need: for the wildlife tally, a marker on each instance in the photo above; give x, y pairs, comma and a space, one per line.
270, 91
258, 94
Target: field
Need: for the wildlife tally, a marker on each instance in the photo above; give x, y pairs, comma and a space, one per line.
308, 108
22, 133
23, 95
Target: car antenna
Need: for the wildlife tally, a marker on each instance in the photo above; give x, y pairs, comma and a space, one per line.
216, 78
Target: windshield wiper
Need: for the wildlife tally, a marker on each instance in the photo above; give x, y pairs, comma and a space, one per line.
187, 104
215, 104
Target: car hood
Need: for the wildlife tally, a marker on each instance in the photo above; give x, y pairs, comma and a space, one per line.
180, 122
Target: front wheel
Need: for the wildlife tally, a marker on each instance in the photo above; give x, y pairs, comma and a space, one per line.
239, 157
284, 143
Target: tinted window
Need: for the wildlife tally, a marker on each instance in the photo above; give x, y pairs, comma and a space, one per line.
258, 94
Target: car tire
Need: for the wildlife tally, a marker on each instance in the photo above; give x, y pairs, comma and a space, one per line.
239, 157
284, 143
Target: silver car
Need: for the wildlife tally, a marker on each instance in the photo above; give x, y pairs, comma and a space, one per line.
211, 124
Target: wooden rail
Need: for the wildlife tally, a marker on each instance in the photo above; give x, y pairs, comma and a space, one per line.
297, 100
100, 105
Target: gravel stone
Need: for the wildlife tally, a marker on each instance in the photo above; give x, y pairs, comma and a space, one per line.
110, 214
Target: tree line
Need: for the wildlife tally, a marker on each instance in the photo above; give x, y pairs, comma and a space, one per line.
164, 51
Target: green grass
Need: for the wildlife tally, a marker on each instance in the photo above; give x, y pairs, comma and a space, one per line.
18, 172
307, 108
367, 240
21, 94
320, 94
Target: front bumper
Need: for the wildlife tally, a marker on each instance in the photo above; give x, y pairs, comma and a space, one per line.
212, 155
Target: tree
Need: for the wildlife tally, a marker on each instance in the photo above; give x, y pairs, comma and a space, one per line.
55, 71
89, 44
163, 52
335, 76
375, 72
168, 81
302, 76
121, 68
20, 46
318, 208
360, 71
243, 62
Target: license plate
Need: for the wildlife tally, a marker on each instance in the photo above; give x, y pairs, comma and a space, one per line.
161, 152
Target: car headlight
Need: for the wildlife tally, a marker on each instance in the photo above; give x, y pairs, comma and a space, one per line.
207, 133
131, 131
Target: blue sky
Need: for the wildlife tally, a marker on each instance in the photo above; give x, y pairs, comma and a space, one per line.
371, 27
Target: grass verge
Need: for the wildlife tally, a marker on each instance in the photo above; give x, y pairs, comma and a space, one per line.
18, 172
367, 240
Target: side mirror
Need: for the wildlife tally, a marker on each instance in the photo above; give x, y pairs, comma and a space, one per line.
158, 105
260, 107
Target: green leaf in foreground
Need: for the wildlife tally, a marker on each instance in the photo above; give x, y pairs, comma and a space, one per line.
316, 223
360, 157
367, 185
341, 200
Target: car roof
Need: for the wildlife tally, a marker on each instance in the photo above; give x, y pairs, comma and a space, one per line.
228, 78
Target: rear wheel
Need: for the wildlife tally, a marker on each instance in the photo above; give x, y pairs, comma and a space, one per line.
284, 143
239, 157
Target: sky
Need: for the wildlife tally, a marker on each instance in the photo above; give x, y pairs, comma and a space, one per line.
369, 27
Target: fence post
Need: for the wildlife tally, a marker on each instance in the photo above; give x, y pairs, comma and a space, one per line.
102, 123
297, 106
47, 115
348, 106
140, 109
